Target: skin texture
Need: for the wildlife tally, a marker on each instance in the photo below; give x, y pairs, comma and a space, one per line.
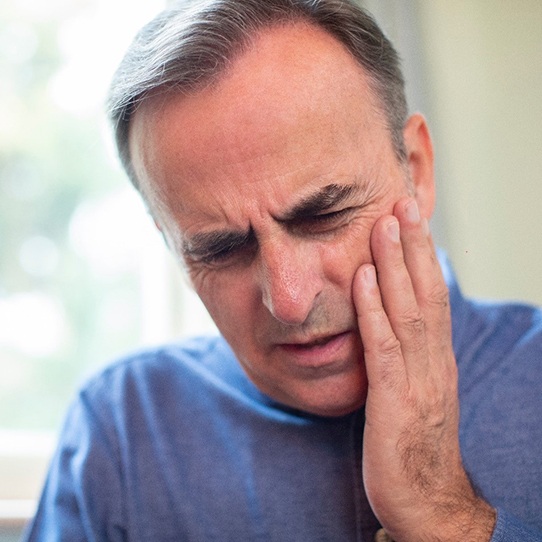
279, 190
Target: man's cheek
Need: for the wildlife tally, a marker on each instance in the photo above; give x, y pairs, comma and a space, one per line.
344, 257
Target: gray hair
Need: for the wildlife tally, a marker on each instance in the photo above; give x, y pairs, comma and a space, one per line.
192, 42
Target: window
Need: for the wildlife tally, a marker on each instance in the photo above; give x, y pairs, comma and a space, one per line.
83, 275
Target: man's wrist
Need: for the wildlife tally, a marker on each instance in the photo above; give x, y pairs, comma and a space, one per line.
472, 522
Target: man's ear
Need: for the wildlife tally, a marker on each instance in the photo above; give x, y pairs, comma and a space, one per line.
420, 162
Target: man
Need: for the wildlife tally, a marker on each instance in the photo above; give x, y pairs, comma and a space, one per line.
271, 144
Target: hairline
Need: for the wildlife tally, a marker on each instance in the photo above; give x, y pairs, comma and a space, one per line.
242, 43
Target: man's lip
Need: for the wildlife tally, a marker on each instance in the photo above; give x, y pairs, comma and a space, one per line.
332, 352
320, 340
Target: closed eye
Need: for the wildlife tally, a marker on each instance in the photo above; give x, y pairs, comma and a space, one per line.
322, 223
216, 249
329, 217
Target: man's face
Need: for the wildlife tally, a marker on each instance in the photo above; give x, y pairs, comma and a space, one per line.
267, 185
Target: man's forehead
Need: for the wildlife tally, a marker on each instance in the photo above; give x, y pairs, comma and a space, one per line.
292, 100
283, 67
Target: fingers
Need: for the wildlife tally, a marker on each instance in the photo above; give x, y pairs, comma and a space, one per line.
424, 269
398, 292
404, 316
382, 349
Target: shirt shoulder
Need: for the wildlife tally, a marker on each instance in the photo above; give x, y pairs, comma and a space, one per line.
159, 377
486, 333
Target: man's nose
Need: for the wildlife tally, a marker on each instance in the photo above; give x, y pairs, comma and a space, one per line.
290, 280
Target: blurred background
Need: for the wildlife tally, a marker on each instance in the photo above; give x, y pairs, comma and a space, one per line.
83, 275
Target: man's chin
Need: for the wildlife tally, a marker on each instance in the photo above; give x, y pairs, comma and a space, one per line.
332, 397
337, 409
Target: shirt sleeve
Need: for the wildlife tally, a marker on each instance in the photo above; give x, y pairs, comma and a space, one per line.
81, 499
510, 529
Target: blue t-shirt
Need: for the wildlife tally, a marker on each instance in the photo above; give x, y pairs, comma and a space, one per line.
176, 444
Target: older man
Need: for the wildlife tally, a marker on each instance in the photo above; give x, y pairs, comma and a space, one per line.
271, 143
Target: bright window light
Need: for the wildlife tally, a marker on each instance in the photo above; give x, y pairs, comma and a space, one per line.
84, 275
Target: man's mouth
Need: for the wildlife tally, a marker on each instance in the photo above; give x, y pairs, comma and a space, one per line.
314, 342
324, 346
328, 353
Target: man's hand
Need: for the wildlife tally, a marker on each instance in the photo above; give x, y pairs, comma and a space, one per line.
412, 468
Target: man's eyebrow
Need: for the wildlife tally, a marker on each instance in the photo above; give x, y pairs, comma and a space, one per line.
324, 199
215, 242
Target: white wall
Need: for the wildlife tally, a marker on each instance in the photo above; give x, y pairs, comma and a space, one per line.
475, 69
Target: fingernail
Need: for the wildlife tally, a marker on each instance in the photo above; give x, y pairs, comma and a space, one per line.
412, 212
393, 231
425, 227
369, 275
